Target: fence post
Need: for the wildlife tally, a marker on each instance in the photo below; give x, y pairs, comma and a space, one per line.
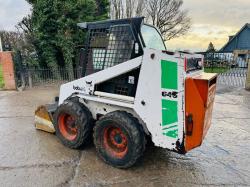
248, 77
30, 79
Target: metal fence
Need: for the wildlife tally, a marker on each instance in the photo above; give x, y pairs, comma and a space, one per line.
38, 77
232, 70
234, 77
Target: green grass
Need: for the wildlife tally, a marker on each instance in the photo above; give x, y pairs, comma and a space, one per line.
216, 70
1, 77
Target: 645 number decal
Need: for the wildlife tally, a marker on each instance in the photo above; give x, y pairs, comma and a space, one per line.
170, 94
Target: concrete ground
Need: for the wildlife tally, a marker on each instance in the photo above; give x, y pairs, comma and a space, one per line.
33, 158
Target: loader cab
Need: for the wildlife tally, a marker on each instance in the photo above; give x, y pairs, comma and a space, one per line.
112, 42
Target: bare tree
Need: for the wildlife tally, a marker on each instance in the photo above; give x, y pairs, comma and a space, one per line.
168, 17
127, 8
25, 25
116, 9
11, 39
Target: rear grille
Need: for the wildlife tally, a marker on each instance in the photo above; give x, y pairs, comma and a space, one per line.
121, 90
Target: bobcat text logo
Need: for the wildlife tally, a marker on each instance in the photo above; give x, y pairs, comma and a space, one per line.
78, 88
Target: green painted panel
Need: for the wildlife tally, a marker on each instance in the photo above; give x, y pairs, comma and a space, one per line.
169, 112
172, 133
170, 127
169, 76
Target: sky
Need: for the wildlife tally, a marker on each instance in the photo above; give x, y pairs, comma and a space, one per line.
12, 12
212, 20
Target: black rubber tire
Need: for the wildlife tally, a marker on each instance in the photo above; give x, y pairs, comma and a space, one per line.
84, 123
133, 131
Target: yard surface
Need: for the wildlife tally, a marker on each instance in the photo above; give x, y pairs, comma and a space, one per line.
216, 70
33, 158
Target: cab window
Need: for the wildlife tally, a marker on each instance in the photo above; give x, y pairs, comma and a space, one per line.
152, 38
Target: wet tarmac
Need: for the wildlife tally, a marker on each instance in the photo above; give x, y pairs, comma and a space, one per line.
33, 158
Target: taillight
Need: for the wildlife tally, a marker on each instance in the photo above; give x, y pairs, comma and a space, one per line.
185, 64
189, 124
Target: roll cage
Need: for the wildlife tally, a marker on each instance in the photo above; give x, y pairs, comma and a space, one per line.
112, 42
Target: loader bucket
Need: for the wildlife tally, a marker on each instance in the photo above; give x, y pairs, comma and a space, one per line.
43, 119
199, 99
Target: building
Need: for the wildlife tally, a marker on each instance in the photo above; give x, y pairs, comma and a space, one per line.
239, 45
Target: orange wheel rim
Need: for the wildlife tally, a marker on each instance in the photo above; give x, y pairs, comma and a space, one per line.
115, 141
67, 126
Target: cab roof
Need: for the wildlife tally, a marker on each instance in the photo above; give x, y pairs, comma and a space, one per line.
135, 22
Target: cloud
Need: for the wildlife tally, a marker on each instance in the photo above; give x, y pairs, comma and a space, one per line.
200, 36
11, 12
226, 12
213, 21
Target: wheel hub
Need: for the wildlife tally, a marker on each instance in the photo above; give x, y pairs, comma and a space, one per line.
118, 139
115, 141
67, 126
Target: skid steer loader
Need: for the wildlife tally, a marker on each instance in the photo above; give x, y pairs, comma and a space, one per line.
131, 87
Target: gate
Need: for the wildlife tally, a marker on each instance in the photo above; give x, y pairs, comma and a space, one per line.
232, 71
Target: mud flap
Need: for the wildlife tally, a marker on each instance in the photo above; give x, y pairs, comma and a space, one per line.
43, 118
199, 100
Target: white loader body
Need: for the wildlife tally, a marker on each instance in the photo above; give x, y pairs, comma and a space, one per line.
132, 89
157, 94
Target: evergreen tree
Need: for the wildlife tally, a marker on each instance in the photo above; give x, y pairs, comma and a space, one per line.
210, 48
55, 29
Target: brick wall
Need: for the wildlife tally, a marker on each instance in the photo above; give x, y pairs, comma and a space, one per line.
8, 70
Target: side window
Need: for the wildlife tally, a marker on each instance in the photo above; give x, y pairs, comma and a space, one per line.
120, 46
98, 56
109, 47
96, 50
